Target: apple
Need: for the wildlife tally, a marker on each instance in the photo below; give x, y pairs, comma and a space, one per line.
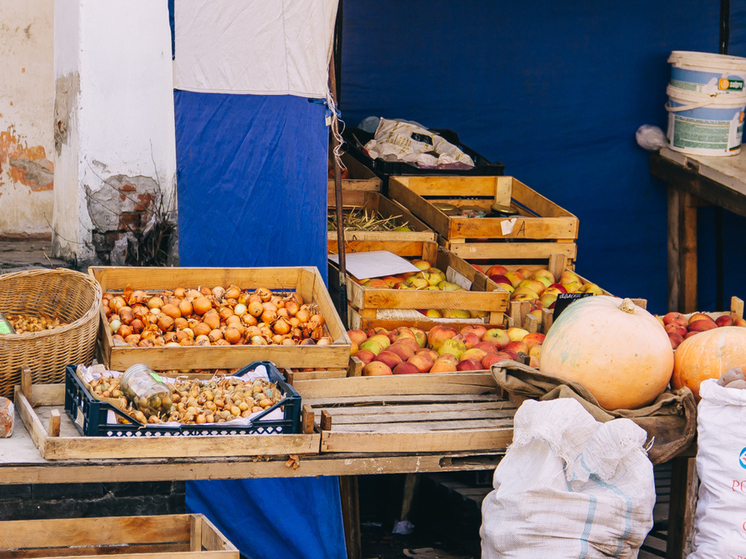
675, 317
496, 270
357, 336
438, 334
389, 357
534, 285
724, 320
353, 347
431, 288
533, 339
391, 281
699, 316
702, 325
427, 351
490, 359
402, 350
476, 329
478, 314
422, 361
497, 337
676, 339
478, 268
516, 334
555, 289
506, 286
509, 353
433, 313
543, 272
590, 287
533, 361
514, 278
420, 336
376, 368
408, 342
445, 366
547, 299
374, 346
573, 286
469, 365
418, 282
673, 327
455, 313
405, 368
449, 286
421, 264
535, 350
517, 346
568, 276
545, 281
526, 293
473, 353
403, 332
402, 285
365, 355
486, 347
433, 276
376, 283
454, 347
499, 278
691, 333
471, 339
383, 337
738, 321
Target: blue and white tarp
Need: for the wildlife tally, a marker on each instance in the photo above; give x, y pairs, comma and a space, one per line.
252, 153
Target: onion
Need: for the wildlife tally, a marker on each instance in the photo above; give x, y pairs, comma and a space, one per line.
316, 320
155, 303
125, 330
132, 339
298, 299
212, 320
264, 293
114, 317
268, 316
266, 331
215, 335
150, 318
159, 341
181, 335
291, 306
281, 326
171, 310
180, 292
243, 299
324, 341
255, 309
170, 336
193, 294
225, 312
189, 332
155, 311
137, 325
308, 341
232, 335
294, 321
165, 322
115, 325
221, 341
283, 312
277, 339
117, 303
277, 301
258, 340
180, 323
254, 297
140, 311
172, 344
146, 343
126, 315
218, 292
202, 329
289, 341
239, 309
205, 291
185, 307
303, 315
269, 306
186, 342
233, 292
201, 305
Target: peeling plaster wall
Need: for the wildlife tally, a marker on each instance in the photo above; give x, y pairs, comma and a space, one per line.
26, 101
114, 119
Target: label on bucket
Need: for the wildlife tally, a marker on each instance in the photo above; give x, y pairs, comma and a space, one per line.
705, 137
711, 85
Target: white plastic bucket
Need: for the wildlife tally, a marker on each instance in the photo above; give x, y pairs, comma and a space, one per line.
701, 124
707, 72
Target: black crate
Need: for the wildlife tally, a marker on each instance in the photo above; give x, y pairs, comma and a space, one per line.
356, 138
90, 414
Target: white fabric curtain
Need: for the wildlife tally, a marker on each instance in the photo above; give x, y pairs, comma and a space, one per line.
260, 47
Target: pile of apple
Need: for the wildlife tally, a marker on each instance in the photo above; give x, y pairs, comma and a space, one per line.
681, 327
538, 287
406, 350
428, 278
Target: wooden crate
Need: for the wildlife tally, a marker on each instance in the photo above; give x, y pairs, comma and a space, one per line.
361, 180
361, 241
409, 413
484, 294
306, 281
540, 229
41, 407
132, 537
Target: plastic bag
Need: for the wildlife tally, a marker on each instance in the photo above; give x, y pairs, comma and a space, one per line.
720, 518
397, 140
569, 486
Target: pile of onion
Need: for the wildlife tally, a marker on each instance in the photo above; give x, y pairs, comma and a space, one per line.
217, 316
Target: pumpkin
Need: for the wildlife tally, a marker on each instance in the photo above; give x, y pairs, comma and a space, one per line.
619, 351
708, 355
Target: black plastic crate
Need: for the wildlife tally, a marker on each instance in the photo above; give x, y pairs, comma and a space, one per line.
90, 414
356, 138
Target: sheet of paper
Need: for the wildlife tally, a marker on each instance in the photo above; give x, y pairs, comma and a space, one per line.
375, 264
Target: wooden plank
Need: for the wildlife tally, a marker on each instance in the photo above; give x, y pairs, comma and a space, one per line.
349, 494
307, 419
736, 307
326, 421
477, 439
511, 251
53, 428
681, 507
407, 426
501, 408
423, 417
393, 318
195, 535
359, 399
429, 383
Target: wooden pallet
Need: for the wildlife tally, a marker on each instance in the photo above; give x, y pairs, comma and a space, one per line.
183, 536
306, 281
539, 229
409, 413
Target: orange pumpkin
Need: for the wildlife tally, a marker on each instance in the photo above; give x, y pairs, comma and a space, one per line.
708, 355
619, 351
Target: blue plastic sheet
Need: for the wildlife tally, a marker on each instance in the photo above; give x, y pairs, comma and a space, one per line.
252, 180
555, 91
274, 518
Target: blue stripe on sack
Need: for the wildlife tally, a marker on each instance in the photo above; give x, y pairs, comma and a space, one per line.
627, 516
593, 503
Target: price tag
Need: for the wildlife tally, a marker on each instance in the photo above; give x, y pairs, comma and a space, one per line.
564, 300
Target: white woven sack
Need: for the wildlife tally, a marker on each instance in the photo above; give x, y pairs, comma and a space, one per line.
569, 486
720, 519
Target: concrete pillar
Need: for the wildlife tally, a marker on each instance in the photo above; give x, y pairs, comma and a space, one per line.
115, 162
26, 99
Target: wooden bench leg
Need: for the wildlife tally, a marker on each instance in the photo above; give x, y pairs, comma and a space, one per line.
350, 497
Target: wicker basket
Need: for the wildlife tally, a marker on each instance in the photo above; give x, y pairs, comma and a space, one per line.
71, 296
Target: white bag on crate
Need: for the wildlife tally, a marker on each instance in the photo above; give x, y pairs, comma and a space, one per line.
720, 519
569, 486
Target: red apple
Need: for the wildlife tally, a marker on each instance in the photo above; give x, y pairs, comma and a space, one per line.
357, 336
486, 346
496, 269
469, 365
518, 347
473, 353
676, 328
422, 361
490, 359
365, 355
376, 368
497, 337
676, 339
439, 334
389, 357
533, 339
477, 329
405, 368
724, 320
702, 325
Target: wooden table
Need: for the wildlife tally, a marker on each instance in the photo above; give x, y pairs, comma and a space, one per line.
694, 181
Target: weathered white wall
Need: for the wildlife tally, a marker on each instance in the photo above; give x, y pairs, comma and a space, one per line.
26, 101
114, 115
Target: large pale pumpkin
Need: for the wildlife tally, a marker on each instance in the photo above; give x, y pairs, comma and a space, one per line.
619, 351
708, 355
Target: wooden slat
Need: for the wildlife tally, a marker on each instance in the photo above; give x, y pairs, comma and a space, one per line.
510, 251
424, 417
365, 399
498, 439
404, 426
501, 408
